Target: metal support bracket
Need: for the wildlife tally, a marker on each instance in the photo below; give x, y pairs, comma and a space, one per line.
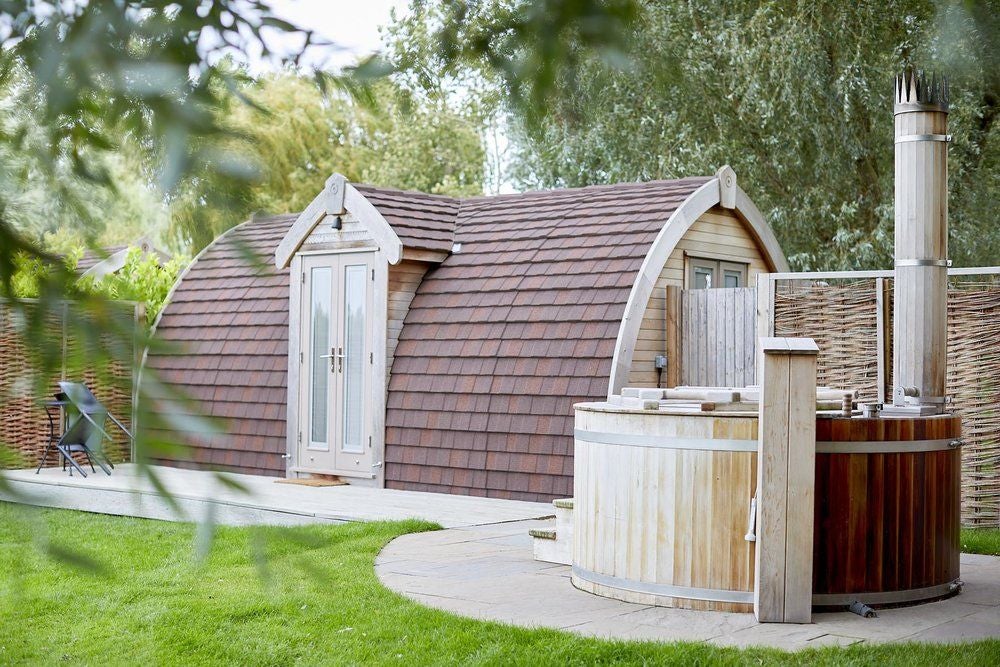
906, 138
923, 262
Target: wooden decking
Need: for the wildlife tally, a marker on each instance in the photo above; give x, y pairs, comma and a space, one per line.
200, 495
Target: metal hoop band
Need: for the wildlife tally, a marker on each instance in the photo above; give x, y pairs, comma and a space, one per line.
907, 138
923, 262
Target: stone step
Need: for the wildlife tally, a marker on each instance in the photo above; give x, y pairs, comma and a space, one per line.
555, 545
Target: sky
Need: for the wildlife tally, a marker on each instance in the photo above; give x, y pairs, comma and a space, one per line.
352, 25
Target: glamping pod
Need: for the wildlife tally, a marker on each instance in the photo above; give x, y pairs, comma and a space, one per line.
429, 343
782, 497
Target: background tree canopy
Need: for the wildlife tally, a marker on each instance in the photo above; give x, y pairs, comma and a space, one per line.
294, 136
796, 96
285, 136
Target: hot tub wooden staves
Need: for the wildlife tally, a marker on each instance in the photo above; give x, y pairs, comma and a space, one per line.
662, 502
661, 505
887, 510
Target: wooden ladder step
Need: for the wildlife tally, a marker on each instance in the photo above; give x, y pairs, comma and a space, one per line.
542, 533
563, 503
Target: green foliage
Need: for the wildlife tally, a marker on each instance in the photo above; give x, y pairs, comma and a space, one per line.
137, 593
143, 278
78, 82
529, 46
32, 273
796, 96
293, 136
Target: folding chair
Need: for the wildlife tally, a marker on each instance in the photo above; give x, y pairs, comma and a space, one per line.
85, 433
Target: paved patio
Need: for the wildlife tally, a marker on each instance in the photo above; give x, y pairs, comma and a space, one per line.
488, 572
200, 494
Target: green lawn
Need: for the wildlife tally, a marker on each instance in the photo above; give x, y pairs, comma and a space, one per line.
981, 541
154, 603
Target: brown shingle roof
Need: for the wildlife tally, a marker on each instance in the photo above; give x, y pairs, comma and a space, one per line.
421, 221
91, 257
502, 338
227, 323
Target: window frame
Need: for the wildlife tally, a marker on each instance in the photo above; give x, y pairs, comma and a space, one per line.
718, 268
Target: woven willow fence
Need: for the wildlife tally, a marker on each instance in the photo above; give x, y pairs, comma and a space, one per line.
851, 321
843, 320
24, 424
974, 384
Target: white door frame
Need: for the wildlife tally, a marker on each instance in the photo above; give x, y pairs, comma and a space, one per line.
374, 423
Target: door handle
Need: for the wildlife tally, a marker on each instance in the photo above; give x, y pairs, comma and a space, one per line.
339, 357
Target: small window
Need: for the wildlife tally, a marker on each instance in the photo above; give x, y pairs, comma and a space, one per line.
710, 273
733, 275
702, 277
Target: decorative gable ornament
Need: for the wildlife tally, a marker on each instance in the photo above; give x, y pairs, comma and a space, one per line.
727, 186
333, 200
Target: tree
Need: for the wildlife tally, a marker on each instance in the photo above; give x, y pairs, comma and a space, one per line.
293, 136
85, 77
796, 96
50, 204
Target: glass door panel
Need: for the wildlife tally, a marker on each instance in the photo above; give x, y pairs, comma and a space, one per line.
355, 358
319, 354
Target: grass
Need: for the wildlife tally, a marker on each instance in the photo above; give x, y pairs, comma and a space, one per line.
276, 597
981, 541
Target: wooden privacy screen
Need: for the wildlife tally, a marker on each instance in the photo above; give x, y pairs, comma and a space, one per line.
850, 320
24, 426
718, 329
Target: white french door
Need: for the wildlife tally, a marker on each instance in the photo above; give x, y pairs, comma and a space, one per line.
336, 364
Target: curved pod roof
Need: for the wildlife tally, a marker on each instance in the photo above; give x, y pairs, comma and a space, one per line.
532, 315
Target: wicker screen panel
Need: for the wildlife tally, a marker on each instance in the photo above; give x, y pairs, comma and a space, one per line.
843, 321
974, 386
24, 424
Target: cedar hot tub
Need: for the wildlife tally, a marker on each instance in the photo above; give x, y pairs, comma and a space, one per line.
887, 509
663, 501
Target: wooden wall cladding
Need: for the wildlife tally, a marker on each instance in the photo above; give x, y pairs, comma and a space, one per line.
887, 521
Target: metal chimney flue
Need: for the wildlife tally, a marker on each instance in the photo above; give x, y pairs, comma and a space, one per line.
920, 333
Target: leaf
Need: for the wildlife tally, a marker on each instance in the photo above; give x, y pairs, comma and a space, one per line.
75, 558
370, 68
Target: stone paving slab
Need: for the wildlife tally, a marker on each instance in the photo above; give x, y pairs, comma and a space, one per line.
200, 494
488, 572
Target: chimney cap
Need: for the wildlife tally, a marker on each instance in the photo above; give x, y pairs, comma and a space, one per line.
918, 91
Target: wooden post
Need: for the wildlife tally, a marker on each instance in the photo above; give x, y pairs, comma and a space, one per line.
765, 316
673, 336
786, 463
139, 319
883, 335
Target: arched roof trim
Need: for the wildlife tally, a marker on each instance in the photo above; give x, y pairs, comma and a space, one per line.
719, 190
337, 198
